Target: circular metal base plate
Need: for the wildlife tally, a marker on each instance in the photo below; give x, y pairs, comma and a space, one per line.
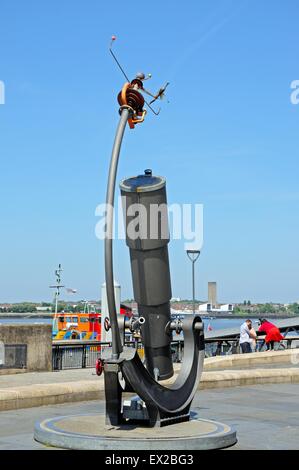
90, 432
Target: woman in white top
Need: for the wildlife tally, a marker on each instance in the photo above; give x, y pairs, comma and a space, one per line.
253, 337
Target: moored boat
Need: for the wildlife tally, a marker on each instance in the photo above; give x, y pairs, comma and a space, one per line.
85, 325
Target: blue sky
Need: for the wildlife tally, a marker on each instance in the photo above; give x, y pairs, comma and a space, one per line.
228, 138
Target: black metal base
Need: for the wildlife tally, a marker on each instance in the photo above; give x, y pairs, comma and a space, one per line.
165, 405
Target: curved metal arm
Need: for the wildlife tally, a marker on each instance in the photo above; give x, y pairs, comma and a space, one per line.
179, 395
116, 341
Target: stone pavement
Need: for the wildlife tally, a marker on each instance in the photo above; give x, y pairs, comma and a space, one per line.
265, 416
34, 378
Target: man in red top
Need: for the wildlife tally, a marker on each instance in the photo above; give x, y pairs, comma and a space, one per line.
273, 334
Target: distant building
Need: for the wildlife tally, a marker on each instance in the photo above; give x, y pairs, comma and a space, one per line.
209, 308
212, 293
205, 307
227, 308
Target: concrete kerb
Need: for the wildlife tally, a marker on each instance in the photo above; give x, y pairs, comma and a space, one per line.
49, 394
239, 378
30, 396
57, 393
247, 360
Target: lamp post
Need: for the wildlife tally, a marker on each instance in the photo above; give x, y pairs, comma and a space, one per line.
193, 255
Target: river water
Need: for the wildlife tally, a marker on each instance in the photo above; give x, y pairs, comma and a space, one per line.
26, 321
213, 323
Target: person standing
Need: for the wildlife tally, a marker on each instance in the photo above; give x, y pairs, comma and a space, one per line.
245, 337
273, 335
253, 337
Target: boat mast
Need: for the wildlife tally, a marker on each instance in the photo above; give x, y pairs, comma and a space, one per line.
58, 286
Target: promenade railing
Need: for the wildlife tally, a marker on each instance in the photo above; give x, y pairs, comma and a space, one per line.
78, 354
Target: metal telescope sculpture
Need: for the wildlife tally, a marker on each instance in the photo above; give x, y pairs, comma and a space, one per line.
123, 369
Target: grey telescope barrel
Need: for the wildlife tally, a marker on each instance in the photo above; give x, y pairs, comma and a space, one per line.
147, 236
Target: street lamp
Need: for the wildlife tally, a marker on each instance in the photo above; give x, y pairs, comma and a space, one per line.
193, 255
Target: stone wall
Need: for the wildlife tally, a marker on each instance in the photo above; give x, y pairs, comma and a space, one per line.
36, 341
